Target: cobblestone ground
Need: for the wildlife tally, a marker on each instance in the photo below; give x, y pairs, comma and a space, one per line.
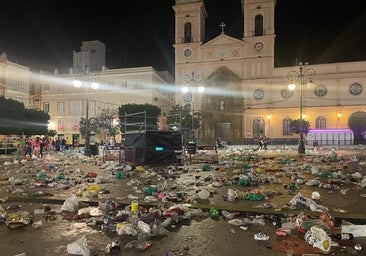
188, 193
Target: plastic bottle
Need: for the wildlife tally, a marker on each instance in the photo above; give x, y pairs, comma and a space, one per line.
342, 236
214, 213
236, 222
227, 215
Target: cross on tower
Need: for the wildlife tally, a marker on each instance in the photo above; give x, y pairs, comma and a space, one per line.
222, 25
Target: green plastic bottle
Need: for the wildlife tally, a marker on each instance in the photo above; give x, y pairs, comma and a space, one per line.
214, 213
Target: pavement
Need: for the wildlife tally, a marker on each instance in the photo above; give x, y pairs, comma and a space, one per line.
274, 182
342, 191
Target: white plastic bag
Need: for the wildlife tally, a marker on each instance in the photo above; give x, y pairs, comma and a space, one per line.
144, 227
318, 238
79, 247
71, 204
232, 195
126, 229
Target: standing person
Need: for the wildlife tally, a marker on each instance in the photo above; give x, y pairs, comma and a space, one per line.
20, 149
41, 148
67, 143
37, 147
218, 143
58, 144
46, 144
63, 144
260, 142
28, 148
265, 141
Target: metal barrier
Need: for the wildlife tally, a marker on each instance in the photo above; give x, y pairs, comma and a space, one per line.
7, 148
111, 153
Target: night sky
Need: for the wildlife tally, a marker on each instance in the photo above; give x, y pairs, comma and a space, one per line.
43, 34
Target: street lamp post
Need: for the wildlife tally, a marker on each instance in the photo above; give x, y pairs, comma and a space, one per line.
193, 80
302, 75
87, 79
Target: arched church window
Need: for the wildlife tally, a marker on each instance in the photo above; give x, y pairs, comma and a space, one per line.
188, 33
286, 129
258, 127
222, 105
258, 25
320, 123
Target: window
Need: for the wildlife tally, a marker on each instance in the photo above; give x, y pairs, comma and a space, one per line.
46, 87
60, 88
75, 107
222, 105
258, 127
286, 130
60, 124
37, 104
46, 107
187, 33
258, 25
124, 84
92, 107
20, 83
75, 124
60, 108
320, 123
138, 84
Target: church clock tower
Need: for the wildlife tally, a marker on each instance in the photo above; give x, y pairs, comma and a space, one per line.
190, 17
236, 67
259, 31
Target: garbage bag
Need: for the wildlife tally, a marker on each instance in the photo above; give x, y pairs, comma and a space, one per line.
318, 238
71, 204
79, 247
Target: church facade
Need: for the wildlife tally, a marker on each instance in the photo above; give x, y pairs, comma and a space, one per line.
245, 95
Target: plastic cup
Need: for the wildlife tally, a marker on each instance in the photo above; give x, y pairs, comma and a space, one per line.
134, 206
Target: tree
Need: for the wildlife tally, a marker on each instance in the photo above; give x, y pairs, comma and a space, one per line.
51, 133
105, 121
16, 119
11, 116
181, 116
92, 127
357, 123
36, 122
295, 126
144, 113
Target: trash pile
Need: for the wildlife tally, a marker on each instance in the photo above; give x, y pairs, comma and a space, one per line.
264, 187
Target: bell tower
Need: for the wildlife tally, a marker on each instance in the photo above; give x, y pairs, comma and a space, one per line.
190, 19
259, 26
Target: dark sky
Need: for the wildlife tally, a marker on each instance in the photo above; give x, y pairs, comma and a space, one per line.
42, 34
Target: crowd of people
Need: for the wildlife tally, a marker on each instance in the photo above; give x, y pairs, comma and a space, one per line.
35, 147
